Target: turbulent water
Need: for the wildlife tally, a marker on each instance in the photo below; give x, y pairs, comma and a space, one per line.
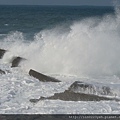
72, 43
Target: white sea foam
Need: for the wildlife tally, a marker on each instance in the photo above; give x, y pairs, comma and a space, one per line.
90, 48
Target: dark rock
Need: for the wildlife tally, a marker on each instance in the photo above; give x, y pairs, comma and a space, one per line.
2, 72
80, 91
42, 77
72, 96
81, 86
16, 61
2, 52
34, 100
78, 86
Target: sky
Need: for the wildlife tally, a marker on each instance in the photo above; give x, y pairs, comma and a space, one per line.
58, 2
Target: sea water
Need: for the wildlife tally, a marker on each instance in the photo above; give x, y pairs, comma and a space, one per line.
71, 43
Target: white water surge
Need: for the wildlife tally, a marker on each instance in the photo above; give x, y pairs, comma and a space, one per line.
88, 52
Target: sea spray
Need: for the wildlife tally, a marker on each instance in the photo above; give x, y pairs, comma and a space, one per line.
90, 47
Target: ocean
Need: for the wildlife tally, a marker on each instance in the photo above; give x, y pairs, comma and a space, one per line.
69, 43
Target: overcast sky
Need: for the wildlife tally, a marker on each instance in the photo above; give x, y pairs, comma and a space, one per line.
58, 2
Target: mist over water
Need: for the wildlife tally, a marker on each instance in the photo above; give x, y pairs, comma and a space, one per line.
89, 47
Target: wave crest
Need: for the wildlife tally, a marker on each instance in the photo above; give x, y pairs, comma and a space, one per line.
90, 47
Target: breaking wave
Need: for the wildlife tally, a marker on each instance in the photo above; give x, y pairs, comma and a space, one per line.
90, 47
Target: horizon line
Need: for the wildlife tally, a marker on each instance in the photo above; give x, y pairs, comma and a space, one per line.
53, 5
